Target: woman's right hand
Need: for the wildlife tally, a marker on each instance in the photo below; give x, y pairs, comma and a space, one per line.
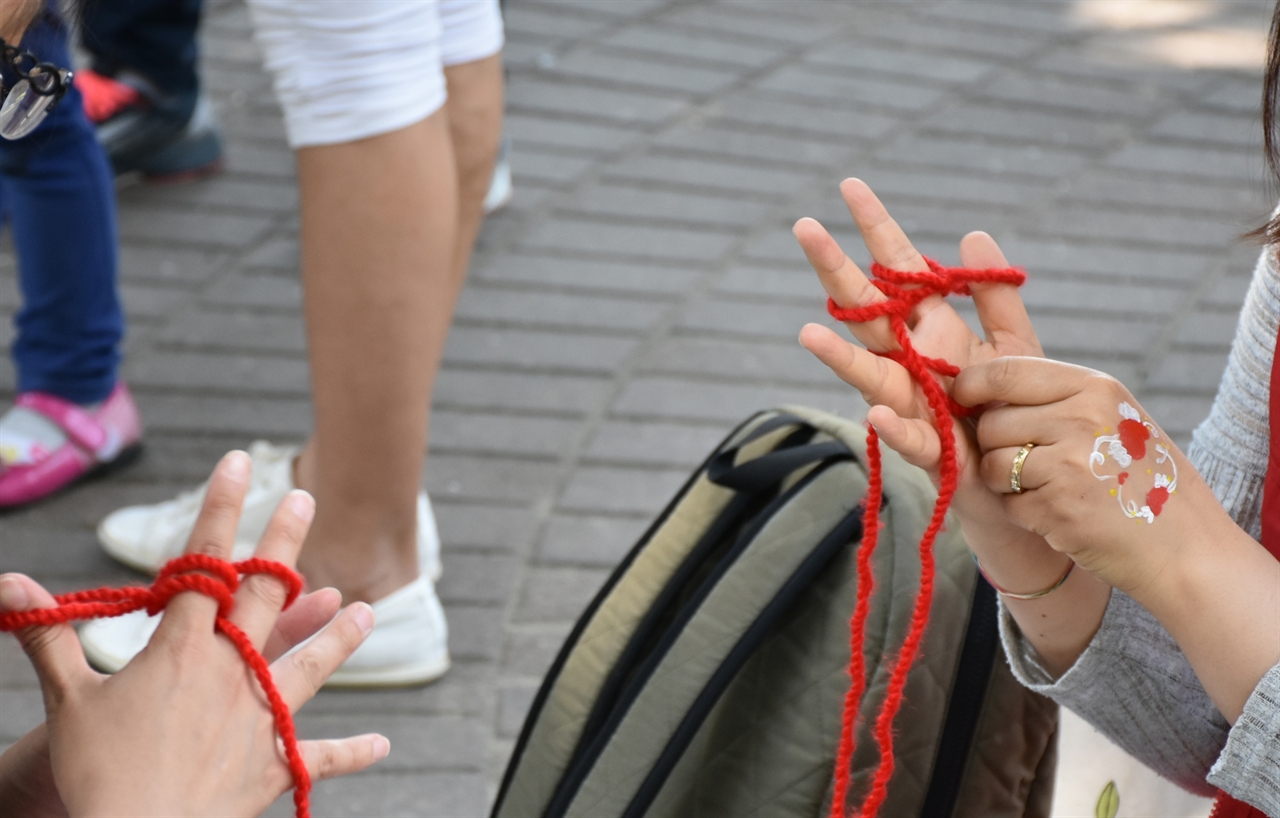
1014, 558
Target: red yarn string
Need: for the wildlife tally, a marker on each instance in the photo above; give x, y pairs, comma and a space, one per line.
904, 291
176, 578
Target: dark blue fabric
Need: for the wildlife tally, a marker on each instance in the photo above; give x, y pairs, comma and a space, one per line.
156, 38
57, 195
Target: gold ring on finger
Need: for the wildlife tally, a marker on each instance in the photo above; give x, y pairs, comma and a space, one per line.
1015, 476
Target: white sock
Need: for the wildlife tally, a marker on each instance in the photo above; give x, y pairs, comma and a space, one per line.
27, 436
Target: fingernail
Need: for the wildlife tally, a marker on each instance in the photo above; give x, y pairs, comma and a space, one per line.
13, 596
381, 748
235, 465
363, 616
302, 504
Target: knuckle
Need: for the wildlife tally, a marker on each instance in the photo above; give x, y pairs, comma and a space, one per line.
265, 591
1001, 376
309, 665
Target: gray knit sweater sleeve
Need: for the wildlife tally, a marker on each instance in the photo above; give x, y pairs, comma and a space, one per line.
1133, 682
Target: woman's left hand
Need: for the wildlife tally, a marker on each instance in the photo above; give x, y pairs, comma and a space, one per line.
1100, 481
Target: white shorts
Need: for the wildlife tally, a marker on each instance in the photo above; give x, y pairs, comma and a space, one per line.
350, 69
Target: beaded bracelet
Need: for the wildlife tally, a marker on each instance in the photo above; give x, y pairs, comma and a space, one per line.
1037, 594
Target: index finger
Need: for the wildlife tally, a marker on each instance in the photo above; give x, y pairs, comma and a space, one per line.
1019, 381
213, 535
847, 285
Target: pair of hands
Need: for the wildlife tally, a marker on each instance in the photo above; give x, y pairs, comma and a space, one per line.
184, 728
1065, 507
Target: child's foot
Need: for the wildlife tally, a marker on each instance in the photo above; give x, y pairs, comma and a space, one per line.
47, 443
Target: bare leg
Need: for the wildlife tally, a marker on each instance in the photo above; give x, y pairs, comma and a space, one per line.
387, 229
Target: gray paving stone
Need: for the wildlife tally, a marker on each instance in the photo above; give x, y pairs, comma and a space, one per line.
971, 39
796, 81
1159, 229
532, 165
1197, 126
557, 310
769, 183
777, 27
525, 129
468, 525
554, 394
419, 743
661, 444
235, 374
794, 283
976, 154
648, 72
653, 398
770, 112
1191, 372
700, 47
473, 432
751, 319
233, 331
563, 272
633, 240
530, 649
590, 540
491, 479
1245, 166
952, 187
1158, 193
552, 22
528, 349
783, 362
731, 141
690, 209
1213, 330
620, 490
627, 107
1002, 121
1078, 257
168, 264
557, 594
867, 56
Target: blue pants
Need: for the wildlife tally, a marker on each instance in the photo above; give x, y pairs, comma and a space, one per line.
57, 193
156, 38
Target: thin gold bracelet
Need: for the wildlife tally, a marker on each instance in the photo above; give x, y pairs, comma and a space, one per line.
1036, 595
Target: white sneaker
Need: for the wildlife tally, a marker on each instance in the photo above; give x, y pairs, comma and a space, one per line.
501, 190
409, 644
146, 537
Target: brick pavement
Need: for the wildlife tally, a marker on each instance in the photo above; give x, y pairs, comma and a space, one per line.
643, 291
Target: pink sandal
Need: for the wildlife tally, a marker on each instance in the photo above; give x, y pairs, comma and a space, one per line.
108, 436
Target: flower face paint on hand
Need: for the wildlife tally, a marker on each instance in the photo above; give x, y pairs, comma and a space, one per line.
1136, 467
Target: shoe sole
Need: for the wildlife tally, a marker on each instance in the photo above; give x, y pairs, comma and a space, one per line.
404, 676
127, 455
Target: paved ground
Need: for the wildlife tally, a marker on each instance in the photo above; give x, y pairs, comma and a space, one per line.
643, 291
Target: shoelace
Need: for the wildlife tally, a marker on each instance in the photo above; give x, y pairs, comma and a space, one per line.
904, 291
175, 578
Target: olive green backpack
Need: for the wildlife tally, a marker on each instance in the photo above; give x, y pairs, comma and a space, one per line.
707, 677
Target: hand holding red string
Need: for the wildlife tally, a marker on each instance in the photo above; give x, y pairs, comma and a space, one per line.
185, 728
915, 344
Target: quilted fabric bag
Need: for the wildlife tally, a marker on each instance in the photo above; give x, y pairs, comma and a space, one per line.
707, 677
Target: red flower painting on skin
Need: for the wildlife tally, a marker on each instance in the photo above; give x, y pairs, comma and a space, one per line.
1127, 448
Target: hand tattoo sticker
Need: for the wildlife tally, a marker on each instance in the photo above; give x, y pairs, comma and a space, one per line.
1127, 447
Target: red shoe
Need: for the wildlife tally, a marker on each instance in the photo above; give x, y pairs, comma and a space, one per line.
96, 441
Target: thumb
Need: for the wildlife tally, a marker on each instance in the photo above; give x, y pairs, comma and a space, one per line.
54, 650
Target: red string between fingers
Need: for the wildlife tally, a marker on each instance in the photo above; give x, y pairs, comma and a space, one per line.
219, 581
904, 291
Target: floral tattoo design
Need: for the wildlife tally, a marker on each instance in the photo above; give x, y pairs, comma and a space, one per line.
1127, 447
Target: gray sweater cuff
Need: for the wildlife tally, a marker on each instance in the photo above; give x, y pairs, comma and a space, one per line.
1249, 767
1134, 685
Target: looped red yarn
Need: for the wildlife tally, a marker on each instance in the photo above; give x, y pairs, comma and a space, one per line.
904, 291
176, 578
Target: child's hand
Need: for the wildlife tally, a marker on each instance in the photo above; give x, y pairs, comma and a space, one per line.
184, 729
899, 410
